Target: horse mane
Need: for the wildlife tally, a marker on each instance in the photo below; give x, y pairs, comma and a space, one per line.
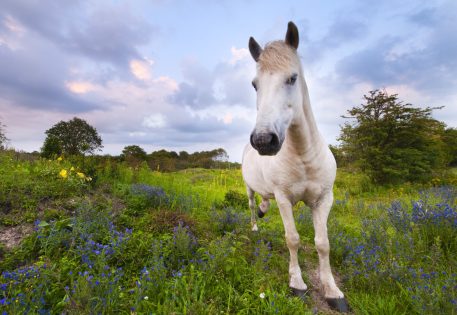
278, 56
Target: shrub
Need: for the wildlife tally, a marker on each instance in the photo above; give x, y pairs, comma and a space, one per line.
235, 200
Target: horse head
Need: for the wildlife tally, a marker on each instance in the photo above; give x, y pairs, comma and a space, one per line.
278, 83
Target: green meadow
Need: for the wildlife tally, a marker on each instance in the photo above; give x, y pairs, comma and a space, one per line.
97, 236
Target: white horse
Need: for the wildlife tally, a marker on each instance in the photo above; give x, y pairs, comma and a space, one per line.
287, 158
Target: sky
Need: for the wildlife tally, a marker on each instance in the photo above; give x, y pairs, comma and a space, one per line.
176, 75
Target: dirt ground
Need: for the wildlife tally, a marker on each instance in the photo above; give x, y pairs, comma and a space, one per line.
11, 236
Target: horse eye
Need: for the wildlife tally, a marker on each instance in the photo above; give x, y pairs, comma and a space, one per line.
292, 79
254, 85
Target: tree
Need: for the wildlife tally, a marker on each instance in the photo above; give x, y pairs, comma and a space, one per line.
134, 151
73, 137
51, 147
3, 138
392, 141
450, 139
134, 155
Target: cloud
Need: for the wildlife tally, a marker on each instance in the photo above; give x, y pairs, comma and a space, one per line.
227, 84
80, 87
238, 55
106, 33
427, 63
52, 55
37, 80
125, 31
141, 69
154, 121
340, 33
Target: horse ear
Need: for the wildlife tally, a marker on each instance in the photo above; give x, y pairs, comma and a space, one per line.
292, 35
255, 49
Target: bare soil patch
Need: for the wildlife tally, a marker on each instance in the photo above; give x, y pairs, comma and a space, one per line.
11, 236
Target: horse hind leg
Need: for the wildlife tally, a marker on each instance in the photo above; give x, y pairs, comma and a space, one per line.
263, 208
252, 207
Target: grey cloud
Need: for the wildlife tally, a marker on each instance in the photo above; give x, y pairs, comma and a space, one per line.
431, 68
227, 84
370, 64
182, 128
193, 95
425, 17
35, 69
112, 34
341, 32
237, 83
197, 92
37, 80
47, 17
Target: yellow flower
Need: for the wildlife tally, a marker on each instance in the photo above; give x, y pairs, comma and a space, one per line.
88, 178
72, 168
63, 173
80, 175
59, 158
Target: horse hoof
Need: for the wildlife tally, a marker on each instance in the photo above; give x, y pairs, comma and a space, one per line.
302, 294
338, 304
260, 214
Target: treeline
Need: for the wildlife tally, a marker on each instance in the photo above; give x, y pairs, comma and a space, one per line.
169, 161
390, 141
79, 141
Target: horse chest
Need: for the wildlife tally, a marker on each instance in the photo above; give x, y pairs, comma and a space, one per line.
301, 184
298, 181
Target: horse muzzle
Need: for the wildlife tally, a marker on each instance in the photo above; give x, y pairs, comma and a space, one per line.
266, 143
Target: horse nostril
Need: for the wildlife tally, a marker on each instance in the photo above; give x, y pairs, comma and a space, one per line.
274, 141
252, 140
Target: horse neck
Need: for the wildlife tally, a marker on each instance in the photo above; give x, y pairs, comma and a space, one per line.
303, 137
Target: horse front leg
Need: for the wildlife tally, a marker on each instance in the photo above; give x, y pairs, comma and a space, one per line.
333, 295
296, 282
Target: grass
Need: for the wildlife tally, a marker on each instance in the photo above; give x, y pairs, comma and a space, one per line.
133, 241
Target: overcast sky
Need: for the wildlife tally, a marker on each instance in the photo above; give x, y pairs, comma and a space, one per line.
177, 74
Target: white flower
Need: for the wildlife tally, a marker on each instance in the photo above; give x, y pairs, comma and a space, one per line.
146, 297
262, 295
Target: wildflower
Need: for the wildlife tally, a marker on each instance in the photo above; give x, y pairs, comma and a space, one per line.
63, 173
146, 298
262, 295
81, 175
59, 158
72, 169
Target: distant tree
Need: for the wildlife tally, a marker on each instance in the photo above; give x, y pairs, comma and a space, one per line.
393, 142
450, 139
3, 138
219, 155
51, 147
73, 137
183, 155
134, 151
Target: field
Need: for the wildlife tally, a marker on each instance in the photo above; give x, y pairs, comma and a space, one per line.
100, 237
